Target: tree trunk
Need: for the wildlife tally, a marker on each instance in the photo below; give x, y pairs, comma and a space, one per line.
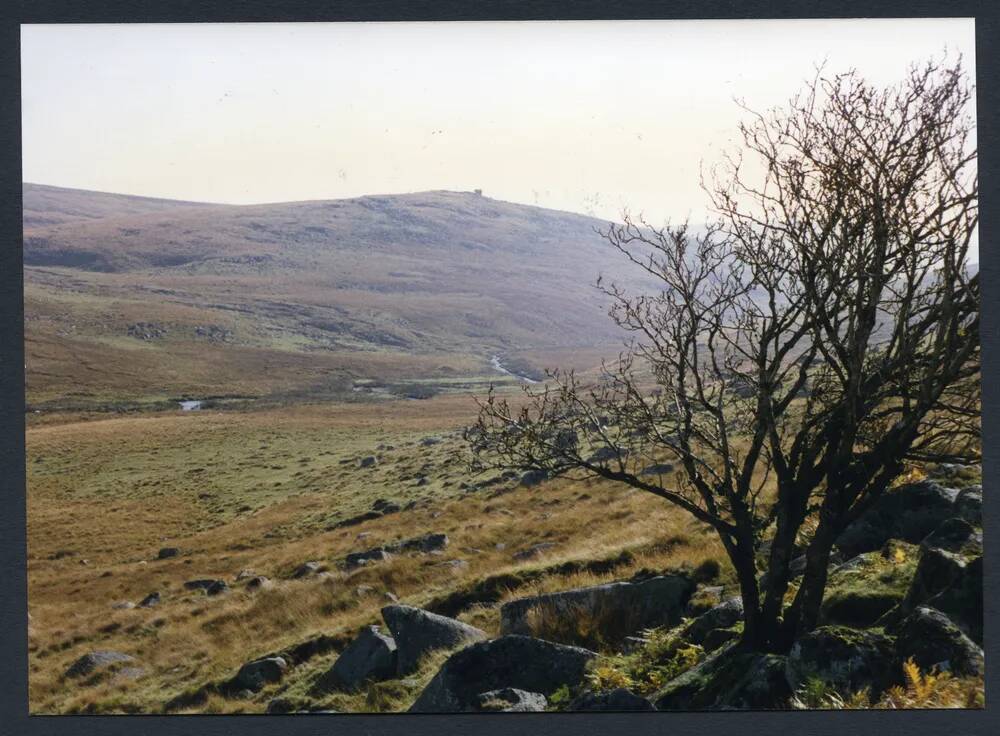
803, 615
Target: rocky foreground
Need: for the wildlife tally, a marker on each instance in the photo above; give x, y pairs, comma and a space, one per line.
905, 590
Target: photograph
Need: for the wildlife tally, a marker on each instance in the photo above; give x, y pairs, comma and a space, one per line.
492, 366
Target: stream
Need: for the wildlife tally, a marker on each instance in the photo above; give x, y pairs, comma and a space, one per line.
499, 366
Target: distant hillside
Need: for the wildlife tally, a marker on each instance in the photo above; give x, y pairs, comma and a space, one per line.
46, 205
426, 274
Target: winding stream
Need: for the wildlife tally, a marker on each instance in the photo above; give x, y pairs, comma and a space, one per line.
499, 366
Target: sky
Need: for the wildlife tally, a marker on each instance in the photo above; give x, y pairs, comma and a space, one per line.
590, 117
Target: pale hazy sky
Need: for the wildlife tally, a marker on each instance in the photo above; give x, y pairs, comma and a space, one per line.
582, 116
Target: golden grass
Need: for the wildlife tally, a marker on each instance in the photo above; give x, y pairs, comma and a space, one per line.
113, 492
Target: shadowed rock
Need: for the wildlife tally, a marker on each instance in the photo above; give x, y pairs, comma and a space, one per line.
255, 675
153, 599
616, 610
619, 699
93, 661
519, 662
931, 639
417, 632
728, 680
969, 505
510, 700
371, 656
848, 659
724, 615
908, 513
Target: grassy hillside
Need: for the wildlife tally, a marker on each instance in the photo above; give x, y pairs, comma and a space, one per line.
302, 297
46, 205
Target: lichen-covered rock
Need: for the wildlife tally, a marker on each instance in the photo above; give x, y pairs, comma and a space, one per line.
954, 535
728, 680
847, 659
909, 513
860, 591
969, 505
370, 657
936, 571
962, 601
724, 615
704, 598
510, 700
717, 638
417, 632
931, 639
519, 662
617, 700
613, 610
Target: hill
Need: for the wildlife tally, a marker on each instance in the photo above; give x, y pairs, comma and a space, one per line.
46, 205
178, 298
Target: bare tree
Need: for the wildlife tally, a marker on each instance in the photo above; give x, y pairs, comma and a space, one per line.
818, 336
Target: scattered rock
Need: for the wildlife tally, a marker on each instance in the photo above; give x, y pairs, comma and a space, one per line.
604, 454
123, 605
355, 520
423, 543
371, 656
632, 644
359, 559
279, 706
367, 462
931, 639
306, 569
510, 700
93, 661
200, 584
533, 551
385, 507
533, 478
258, 583
619, 699
657, 469
217, 588
418, 632
519, 662
153, 599
848, 659
616, 610
167, 552
146, 330
253, 676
